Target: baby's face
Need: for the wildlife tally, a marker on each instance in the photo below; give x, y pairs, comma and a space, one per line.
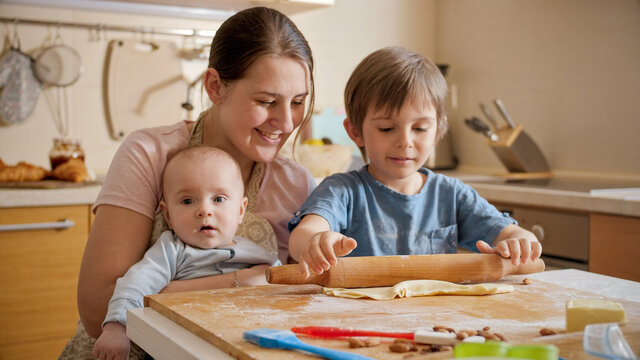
204, 201
398, 144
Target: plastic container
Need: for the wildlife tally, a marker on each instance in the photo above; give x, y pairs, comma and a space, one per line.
488, 349
607, 341
533, 352
499, 350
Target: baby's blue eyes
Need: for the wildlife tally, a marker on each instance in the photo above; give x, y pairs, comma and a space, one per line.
215, 199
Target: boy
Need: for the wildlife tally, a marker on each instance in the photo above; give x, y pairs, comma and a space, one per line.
395, 104
203, 203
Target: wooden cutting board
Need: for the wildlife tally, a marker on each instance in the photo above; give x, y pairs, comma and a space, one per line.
221, 316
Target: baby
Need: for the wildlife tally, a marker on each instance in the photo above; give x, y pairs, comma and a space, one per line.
203, 204
395, 104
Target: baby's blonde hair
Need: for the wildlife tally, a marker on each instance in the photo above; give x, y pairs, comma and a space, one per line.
387, 78
200, 152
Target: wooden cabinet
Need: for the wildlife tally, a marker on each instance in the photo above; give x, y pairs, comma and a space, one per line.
614, 246
38, 280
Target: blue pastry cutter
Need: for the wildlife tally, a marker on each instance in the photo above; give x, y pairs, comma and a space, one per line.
285, 339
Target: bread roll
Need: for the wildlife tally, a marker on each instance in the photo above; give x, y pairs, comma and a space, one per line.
22, 172
71, 170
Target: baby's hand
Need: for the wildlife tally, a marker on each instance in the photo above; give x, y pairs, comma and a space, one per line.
113, 343
518, 249
323, 251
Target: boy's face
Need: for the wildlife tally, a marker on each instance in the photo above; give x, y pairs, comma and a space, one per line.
398, 144
204, 202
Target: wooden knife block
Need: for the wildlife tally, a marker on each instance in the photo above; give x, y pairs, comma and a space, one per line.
519, 153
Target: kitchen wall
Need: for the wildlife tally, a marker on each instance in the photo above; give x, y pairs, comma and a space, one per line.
566, 69
31, 140
340, 36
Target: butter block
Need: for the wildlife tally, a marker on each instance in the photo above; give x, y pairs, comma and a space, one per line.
581, 312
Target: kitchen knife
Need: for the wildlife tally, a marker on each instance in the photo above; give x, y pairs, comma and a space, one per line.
480, 126
370, 271
489, 115
505, 114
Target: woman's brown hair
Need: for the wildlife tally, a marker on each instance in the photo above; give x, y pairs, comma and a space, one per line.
251, 33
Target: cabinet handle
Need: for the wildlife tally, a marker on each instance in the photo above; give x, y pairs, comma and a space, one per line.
62, 224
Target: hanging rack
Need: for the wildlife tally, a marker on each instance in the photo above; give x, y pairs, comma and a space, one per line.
119, 28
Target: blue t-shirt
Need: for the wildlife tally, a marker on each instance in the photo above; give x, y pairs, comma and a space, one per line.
445, 214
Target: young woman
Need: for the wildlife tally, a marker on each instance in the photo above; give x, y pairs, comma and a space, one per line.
259, 79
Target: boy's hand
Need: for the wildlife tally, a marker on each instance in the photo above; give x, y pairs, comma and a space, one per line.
113, 343
323, 251
518, 249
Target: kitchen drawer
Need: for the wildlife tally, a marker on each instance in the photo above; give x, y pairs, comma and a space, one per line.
38, 280
562, 234
615, 246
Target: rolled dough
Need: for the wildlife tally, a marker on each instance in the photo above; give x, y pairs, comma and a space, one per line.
412, 288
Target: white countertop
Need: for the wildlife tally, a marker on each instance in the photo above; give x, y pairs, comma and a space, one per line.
608, 200
85, 195
164, 339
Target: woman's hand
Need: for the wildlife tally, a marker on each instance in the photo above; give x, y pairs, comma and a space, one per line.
323, 251
513, 242
113, 343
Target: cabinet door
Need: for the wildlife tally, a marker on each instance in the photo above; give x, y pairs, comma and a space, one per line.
614, 247
38, 280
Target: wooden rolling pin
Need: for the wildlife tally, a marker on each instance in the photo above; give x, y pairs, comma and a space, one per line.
371, 271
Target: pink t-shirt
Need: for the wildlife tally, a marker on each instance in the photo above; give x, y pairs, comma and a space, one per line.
134, 179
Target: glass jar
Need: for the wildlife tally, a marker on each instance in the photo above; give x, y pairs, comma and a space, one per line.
64, 150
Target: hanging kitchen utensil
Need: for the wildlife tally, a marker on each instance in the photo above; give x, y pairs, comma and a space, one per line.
19, 88
58, 64
144, 85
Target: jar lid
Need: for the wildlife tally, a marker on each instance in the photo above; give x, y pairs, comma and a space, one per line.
66, 141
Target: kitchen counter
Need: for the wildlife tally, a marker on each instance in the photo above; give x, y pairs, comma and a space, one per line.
163, 338
84, 195
578, 194
581, 196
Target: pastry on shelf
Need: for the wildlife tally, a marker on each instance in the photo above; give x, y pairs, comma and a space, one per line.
21, 172
71, 170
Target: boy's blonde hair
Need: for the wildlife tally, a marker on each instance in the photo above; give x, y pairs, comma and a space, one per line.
387, 78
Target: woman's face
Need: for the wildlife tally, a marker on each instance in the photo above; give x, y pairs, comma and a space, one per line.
258, 112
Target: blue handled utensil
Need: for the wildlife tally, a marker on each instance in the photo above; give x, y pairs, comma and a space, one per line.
285, 339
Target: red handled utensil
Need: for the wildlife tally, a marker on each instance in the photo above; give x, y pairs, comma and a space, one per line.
420, 336
333, 332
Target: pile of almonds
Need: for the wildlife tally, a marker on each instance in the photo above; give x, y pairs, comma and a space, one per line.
406, 345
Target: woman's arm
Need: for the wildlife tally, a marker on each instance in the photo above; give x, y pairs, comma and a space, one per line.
118, 239
252, 276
